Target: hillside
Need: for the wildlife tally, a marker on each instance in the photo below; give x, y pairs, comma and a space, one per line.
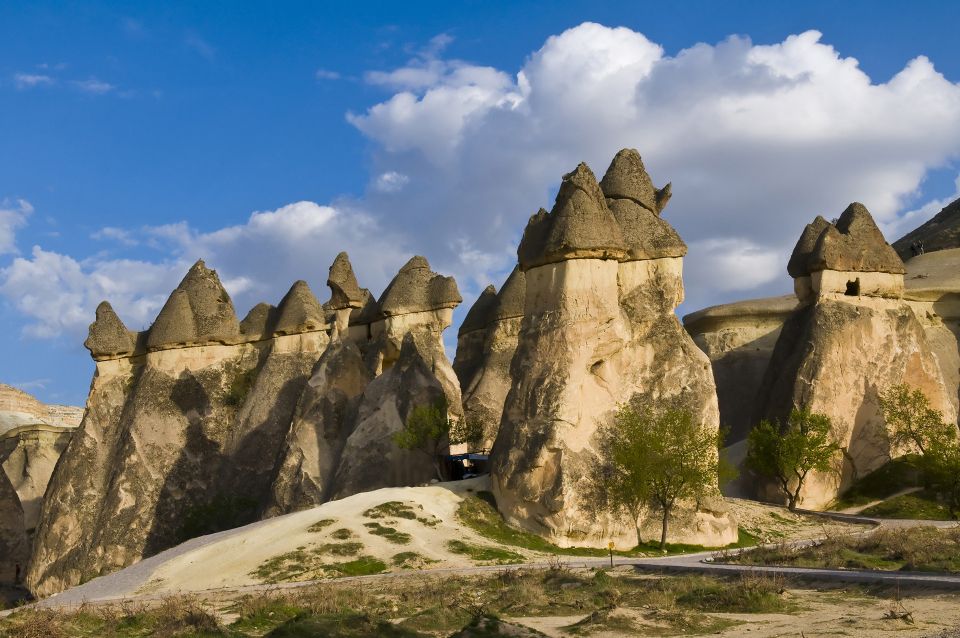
939, 233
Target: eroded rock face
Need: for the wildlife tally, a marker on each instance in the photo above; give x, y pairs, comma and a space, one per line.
325, 417
470, 337
108, 337
486, 391
598, 329
370, 458
845, 344
739, 339
14, 541
210, 423
942, 232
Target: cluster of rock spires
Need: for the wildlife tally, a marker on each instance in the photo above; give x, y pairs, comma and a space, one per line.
32, 437
205, 422
851, 331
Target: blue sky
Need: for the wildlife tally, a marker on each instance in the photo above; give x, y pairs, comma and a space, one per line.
265, 137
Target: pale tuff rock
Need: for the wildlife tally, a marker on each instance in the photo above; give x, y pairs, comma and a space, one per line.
14, 541
299, 311
32, 437
324, 418
108, 337
485, 388
370, 458
739, 339
598, 330
853, 338
798, 266
199, 311
470, 337
343, 284
218, 423
580, 226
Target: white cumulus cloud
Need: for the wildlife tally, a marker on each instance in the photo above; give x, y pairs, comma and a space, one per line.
12, 217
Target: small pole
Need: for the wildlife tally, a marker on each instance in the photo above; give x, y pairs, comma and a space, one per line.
610, 547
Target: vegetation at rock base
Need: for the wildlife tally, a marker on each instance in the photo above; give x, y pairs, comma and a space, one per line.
787, 453
220, 513
651, 458
913, 549
485, 553
315, 563
914, 425
430, 429
427, 606
479, 513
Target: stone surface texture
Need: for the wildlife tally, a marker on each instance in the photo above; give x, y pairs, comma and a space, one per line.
598, 329
212, 424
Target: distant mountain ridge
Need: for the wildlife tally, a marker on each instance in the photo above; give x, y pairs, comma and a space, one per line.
939, 233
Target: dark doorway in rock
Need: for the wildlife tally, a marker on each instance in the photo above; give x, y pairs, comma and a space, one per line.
853, 288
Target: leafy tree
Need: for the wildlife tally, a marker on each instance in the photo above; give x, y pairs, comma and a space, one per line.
910, 419
787, 454
653, 459
430, 429
941, 468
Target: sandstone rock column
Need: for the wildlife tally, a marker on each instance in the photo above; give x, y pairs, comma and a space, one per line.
603, 275
852, 338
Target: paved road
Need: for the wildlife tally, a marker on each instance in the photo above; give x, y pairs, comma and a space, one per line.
116, 587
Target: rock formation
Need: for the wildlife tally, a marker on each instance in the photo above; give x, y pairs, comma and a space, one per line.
942, 232
484, 352
204, 422
598, 329
32, 437
852, 337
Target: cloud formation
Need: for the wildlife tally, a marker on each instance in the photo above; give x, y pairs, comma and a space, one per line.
12, 217
756, 139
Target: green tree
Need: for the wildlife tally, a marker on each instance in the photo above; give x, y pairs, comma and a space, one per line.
941, 469
430, 429
911, 422
652, 459
787, 454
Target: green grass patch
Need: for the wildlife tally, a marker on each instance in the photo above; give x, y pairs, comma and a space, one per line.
363, 566
890, 478
484, 553
912, 549
411, 560
353, 625
389, 533
339, 549
322, 524
342, 534
396, 509
921, 505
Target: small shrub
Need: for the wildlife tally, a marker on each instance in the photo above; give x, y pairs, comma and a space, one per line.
342, 534
484, 553
389, 533
320, 525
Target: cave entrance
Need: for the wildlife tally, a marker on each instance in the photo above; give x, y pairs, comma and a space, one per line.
853, 288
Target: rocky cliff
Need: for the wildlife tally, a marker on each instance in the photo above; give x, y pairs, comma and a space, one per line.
602, 277
852, 337
32, 438
942, 232
204, 422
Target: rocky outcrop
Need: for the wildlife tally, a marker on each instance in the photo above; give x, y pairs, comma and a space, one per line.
942, 232
739, 339
853, 337
210, 423
471, 336
32, 437
598, 329
491, 349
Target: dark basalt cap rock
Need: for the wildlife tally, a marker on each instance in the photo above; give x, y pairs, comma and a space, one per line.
343, 285
854, 244
198, 311
511, 297
479, 315
798, 266
647, 235
259, 321
108, 337
626, 178
416, 288
299, 311
580, 226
